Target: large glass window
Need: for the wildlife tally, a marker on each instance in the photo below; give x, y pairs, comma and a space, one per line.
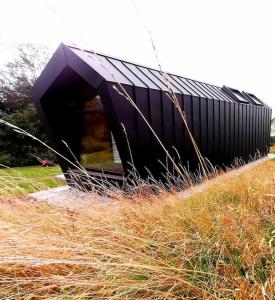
93, 142
97, 146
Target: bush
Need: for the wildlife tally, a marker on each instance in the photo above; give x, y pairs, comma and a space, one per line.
19, 150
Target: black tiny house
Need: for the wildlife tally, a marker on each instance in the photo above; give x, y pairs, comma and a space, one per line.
87, 119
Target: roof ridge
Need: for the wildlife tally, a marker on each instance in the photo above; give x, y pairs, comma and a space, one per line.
189, 86
137, 64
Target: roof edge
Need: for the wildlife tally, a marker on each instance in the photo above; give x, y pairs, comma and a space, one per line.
51, 71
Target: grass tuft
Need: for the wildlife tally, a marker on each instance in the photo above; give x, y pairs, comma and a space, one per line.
21, 180
217, 244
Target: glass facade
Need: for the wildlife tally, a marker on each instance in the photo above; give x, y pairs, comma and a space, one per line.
97, 146
92, 141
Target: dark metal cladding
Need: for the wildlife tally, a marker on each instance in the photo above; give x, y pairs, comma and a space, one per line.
253, 127
236, 130
222, 123
240, 142
244, 141
227, 131
257, 111
114, 114
268, 127
188, 145
250, 130
262, 131
196, 120
204, 127
210, 130
265, 132
217, 156
232, 132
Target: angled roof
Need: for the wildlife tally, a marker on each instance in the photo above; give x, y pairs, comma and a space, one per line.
117, 70
104, 67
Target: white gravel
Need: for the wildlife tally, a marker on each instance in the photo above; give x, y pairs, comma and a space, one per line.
67, 197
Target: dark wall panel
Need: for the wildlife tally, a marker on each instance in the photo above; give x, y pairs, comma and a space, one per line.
232, 132
244, 136
227, 131
251, 130
188, 145
141, 100
156, 108
268, 127
256, 120
240, 130
260, 130
145, 138
248, 130
210, 130
123, 111
156, 111
264, 131
236, 130
204, 127
168, 122
196, 124
179, 127
217, 143
222, 133
252, 113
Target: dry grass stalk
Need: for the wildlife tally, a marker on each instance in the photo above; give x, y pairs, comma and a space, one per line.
213, 245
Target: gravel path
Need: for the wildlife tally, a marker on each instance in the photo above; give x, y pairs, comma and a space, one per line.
70, 198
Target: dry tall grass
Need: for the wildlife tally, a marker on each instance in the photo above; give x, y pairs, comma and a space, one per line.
218, 244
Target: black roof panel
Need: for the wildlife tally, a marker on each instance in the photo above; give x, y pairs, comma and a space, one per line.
116, 70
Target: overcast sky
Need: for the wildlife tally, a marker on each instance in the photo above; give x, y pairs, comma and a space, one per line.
216, 41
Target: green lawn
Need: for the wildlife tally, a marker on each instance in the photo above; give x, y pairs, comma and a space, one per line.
23, 180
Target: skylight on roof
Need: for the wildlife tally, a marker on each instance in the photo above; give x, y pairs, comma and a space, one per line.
238, 95
253, 98
256, 100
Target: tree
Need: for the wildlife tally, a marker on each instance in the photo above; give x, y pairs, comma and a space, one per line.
16, 81
18, 76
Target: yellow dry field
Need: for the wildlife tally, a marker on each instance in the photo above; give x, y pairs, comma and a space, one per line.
217, 244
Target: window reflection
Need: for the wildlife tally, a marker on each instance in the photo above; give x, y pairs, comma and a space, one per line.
97, 146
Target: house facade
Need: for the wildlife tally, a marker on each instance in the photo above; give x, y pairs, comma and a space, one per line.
105, 113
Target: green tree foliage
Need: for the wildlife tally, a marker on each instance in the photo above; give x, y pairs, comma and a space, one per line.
16, 81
